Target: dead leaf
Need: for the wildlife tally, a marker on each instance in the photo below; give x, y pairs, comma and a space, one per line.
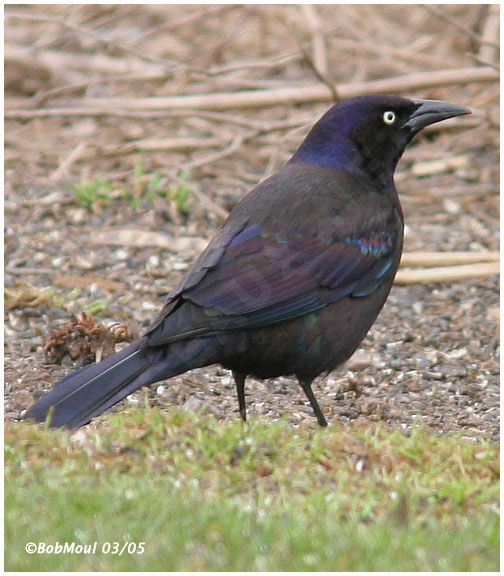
27, 296
83, 282
84, 339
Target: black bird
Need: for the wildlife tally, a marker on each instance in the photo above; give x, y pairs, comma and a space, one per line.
294, 279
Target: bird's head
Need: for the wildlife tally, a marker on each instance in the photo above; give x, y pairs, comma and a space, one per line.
370, 133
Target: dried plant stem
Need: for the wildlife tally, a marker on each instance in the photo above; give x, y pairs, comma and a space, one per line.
489, 48
69, 161
448, 273
319, 53
151, 145
84, 31
231, 149
183, 21
447, 258
260, 98
81, 65
463, 191
441, 13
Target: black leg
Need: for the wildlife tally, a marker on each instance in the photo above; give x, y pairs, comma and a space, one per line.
306, 385
239, 379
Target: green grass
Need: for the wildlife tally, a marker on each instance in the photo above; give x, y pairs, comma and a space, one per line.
97, 192
145, 187
149, 185
210, 496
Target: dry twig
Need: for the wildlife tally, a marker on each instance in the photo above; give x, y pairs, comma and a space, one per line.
414, 259
69, 161
183, 21
448, 274
151, 145
86, 32
440, 13
489, 46
260, 98
231, 149
319, 52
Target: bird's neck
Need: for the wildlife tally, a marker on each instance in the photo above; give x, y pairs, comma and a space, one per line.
344, 155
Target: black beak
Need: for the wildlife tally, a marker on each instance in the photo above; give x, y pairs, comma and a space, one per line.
431, 111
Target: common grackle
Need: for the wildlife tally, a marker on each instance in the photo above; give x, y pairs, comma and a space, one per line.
294, 279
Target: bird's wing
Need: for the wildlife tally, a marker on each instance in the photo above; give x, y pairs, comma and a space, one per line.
260, 272
261, 278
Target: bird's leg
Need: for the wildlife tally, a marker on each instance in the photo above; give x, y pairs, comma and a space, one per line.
306, 385
239, 379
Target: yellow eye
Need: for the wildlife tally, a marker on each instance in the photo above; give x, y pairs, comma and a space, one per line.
389, 117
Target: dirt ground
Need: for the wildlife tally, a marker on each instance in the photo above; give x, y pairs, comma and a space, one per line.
110, 194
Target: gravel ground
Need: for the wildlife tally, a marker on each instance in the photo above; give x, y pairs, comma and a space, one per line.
431, 357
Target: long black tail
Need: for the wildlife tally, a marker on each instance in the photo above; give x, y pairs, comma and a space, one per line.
91, 390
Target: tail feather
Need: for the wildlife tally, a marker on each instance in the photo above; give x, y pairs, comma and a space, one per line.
89, 391
82, 394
